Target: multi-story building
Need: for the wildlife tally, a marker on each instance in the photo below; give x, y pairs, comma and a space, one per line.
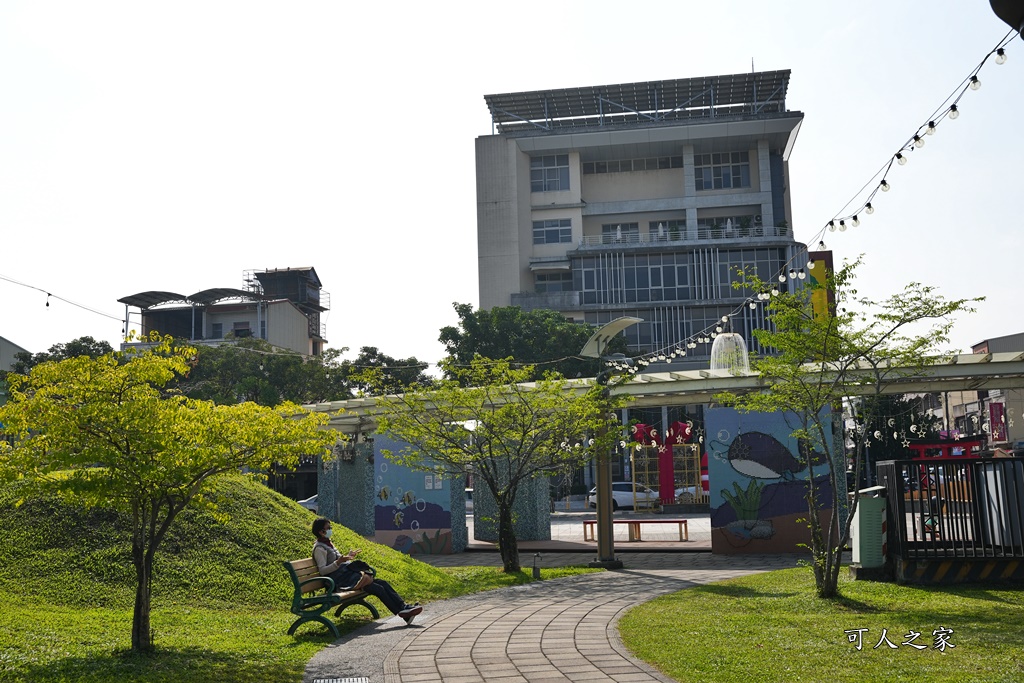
641, 199
282, 306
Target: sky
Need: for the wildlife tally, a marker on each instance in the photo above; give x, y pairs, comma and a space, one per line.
173, 146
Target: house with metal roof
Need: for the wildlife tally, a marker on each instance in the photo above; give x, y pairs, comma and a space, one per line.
280, 305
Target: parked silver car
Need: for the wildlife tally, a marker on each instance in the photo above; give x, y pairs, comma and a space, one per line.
309, 503
622, 496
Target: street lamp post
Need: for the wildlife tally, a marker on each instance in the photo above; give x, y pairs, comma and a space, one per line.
595, 348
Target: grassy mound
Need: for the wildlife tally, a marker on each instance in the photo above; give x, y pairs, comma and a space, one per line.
232, 556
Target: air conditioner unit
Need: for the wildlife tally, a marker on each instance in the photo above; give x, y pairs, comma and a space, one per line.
757, 219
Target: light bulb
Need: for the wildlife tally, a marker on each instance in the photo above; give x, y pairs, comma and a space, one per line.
753, 305
855, 221
900, 159
953, 111
661, 356
802, 275
725, 318
782, 277
792, 273
682, 353
931, 128
842, 226
1000, 56
775, 291
718, 328
975, 83
868, 208
885, 186
918, 141
810, 265
821, 245
831, 226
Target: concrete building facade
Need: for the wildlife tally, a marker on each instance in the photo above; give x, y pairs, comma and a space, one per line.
639, 199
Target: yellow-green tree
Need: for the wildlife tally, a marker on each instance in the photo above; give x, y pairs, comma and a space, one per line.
489, 421
103, 431
818, 359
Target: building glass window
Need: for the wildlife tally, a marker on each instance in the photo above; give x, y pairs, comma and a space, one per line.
216, 330
554, 282
549, 173
667, 230
721, 171
557, 231
620, 232
627, 165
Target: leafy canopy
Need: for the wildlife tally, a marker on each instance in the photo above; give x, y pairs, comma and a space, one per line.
543, 338
489, 421
105, 431
857, 347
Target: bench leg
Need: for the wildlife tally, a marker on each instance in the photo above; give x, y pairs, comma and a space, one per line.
373, 610
315, 617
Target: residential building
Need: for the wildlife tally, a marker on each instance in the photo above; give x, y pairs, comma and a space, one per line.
639, 199
282, 306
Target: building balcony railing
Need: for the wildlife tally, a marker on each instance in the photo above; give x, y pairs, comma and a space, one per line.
683, 235
555, 301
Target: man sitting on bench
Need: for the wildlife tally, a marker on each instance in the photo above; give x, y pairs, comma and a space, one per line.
339, 568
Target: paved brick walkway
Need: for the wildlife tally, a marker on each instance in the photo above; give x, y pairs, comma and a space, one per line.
558, 630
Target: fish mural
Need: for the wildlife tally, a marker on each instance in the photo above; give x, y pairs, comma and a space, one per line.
384, 493
408, 498
762, 456
399, 517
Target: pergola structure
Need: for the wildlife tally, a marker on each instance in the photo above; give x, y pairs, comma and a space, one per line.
963, 372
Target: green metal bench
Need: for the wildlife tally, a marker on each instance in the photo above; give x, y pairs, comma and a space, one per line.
314, 595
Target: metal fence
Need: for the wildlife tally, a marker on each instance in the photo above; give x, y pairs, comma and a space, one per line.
954, 508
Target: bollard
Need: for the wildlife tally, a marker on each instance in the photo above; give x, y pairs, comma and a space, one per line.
536, 569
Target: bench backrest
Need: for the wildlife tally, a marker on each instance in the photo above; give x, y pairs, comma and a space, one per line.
301, 570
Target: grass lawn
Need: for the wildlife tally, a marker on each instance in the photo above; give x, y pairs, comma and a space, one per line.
221, 595
771, 627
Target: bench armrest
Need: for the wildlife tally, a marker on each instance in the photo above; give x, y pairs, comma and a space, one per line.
327, 579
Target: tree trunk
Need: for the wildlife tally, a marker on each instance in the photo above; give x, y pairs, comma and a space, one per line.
141, 638
508, 546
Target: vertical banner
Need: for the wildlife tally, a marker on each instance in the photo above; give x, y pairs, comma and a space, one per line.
996, 422
822, 298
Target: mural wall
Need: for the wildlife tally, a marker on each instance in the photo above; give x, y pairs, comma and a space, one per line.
759, 482
416, 512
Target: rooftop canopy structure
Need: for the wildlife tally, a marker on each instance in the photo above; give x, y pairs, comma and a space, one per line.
644, 103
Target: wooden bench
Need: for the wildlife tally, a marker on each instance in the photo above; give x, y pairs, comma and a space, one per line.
315, 594
634, 525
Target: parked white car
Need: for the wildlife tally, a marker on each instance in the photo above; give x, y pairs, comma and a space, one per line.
309, 503
622, 496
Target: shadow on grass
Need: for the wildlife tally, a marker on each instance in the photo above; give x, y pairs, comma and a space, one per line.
168, 665
728, 590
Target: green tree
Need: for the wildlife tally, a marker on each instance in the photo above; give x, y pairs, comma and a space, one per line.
542, 338
857, 348
499, 429
101, 431
254, 370
375, 371
83, 346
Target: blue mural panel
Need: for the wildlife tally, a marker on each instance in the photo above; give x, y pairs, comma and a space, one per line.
759, 480
412, 509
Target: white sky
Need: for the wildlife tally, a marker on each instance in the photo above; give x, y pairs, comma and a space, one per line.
173, 146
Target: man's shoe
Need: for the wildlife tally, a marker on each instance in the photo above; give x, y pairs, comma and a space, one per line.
409, 613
